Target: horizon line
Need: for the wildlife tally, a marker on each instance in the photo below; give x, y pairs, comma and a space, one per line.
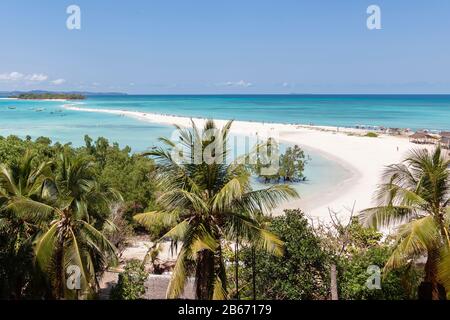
219, 94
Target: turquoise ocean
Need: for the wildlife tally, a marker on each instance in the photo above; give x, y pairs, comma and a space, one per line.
50, 119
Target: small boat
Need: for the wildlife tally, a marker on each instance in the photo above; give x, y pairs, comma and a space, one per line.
11, 107
40, 110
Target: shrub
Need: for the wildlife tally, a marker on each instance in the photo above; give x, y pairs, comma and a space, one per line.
301, 273
371, 135
131, 284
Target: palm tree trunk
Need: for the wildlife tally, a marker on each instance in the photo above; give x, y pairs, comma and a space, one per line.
431, 285
204, 275
236, 263
59, 278
254, 271
333, 285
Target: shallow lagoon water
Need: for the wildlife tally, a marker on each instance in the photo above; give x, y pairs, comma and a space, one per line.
50, 119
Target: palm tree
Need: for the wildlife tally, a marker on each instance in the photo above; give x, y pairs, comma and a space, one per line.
18, 229
77, 207
207, 203
22, 181
415, 197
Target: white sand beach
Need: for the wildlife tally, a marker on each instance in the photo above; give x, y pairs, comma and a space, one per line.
364, 157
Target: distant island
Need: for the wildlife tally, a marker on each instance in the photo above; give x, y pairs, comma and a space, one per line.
49, 96
41, 92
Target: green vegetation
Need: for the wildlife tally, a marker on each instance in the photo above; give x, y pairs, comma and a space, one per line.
415, 194
56, 210
291, 164
131, 284
354, 272
207, 204
49, 96
303, 272
298, 274
354, 250
62, 206
371, 135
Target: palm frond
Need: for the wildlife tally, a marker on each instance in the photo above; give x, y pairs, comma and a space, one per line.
30, 210
444, 269
179, 277
177, 233
98, 240
45, 247
7, 180
386, 216
265, 200
73, 257
150, 219
413, 240
203, 240
247, 228
180, 198
231, 192
219, 292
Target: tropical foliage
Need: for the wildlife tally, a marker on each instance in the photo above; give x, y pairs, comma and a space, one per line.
300, 273
57, 208
131, 284
207, 202
49, 96
67, 212
414, 198
291, 164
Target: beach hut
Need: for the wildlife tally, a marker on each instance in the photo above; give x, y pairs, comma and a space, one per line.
422, 138
394, 131
445, 142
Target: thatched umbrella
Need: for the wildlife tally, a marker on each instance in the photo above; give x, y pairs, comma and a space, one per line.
422, 137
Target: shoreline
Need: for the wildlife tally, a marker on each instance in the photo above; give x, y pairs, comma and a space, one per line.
314, 205
362, 157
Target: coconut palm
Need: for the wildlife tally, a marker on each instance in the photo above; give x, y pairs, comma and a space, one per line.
77, 206
208, 201
415, 197
23, 180
17, 229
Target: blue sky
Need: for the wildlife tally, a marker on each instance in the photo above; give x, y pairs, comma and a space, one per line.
232, 46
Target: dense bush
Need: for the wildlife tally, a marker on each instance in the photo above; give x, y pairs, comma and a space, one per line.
395, 285
301, 273
131, 284
371, 135
355, 250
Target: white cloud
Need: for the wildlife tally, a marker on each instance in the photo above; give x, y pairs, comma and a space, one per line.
288, 85
13, 76
240, 83
58, 81
36, 77
17, 76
